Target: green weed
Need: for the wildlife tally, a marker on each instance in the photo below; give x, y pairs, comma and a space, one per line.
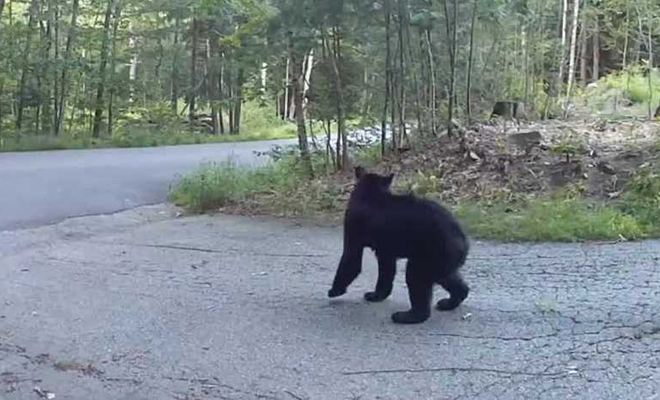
216, 185
550, 219
131, 131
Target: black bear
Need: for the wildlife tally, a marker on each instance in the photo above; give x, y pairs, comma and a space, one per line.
402, 226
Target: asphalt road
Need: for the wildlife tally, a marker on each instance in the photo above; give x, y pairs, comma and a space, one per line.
143, 306
38, 188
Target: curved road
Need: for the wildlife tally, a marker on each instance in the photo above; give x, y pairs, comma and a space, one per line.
39, 188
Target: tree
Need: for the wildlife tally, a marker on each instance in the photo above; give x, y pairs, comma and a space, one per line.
63, 92
452, 33
571, 67
34, 4
100, 90
297, 77
468, 85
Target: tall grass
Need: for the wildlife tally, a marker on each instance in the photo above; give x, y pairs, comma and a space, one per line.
551, 220
632, 84
216, 185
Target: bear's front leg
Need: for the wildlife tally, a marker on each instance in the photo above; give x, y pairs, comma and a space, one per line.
349, 268
386, 274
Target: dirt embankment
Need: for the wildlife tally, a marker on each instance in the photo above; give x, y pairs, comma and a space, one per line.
595, 157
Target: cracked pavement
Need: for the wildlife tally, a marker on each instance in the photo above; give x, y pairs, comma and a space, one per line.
141, 305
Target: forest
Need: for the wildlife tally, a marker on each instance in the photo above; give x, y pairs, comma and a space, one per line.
415, 74
94, 69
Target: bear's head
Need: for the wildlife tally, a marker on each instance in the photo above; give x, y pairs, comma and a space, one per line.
372, 183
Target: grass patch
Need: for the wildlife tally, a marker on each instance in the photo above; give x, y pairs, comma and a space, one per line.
611, 92
132, 131
216, 185
281, 188
550, 220
136, 138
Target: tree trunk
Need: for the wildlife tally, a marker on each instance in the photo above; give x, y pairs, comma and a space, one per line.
418, 101
388, 74
562, 61
229, 85
159, 63
334, 52
595, 73
45, 90
627, 39
192, 92
113, 58
571, 66
2, 89
221, 78
287, 87
650, 74
2, 8
649, 45
175, 67
263, 81
63, 80
433, 90
56, 57
297, 84
452, 37
239, 102
402, 75
469, 69
34, 5
214, 72
98, 113
133, 70
583, 55
309, 67
341, 115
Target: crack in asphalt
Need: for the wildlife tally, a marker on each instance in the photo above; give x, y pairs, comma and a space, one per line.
454, 369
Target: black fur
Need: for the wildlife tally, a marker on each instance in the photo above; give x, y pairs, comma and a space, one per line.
402, 226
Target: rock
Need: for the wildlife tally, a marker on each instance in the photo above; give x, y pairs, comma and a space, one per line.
600, 125
525, 140
606, 168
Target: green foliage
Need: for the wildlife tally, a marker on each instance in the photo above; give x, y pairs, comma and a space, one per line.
216, 185
261, 121
154, 126
570, 144
425, 184
630, 83
550, 219
369, 155
323, 93
212, 186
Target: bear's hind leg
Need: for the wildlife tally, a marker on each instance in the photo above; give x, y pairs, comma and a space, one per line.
386, 274
420, 291
458, 291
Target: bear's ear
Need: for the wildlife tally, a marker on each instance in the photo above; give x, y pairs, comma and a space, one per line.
359, 172
388, 180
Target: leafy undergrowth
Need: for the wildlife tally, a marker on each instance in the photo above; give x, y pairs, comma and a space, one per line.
602, 184
276, 189
156, 127
136, 138
551, 220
